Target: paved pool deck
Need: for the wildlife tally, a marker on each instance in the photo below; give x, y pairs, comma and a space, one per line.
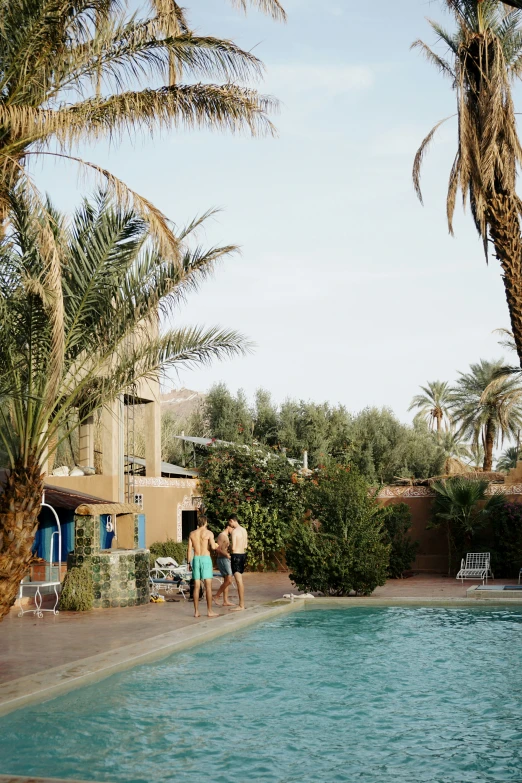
41, 658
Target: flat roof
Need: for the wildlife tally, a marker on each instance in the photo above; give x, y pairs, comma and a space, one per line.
166, 467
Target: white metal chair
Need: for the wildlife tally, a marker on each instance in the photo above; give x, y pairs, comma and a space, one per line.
477, 565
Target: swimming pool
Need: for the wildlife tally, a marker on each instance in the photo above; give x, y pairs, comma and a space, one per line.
319, 696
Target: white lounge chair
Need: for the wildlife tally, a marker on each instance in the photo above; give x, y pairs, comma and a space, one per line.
477, 565
167, 574
166, 564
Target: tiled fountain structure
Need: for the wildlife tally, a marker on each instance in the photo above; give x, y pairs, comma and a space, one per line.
120, 576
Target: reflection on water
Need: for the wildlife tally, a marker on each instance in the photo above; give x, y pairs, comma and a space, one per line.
364, 694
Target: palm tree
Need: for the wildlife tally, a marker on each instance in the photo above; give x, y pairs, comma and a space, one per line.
485, 59
79, 321
487, 408
508, 459
460, 504
79, 70
506, 340
433, 405
452, 446
475, 455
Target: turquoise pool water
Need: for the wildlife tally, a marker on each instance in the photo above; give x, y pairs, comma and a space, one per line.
364, 694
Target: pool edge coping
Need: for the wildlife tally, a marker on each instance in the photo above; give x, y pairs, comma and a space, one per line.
50, 683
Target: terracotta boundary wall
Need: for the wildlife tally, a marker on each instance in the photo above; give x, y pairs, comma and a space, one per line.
432, 554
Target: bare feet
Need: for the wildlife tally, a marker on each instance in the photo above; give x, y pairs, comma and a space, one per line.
228, 604
212, 614
237, 609
197, 614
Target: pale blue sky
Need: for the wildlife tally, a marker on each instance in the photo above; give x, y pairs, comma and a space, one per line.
353, 292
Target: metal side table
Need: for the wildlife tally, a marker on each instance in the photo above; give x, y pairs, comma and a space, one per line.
38, 598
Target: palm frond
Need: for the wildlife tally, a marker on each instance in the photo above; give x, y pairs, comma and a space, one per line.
419, 157
114, 284
271, 7
434, 59
160, 227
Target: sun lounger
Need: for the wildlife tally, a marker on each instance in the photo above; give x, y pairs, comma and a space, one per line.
477, 565
166, 564
169, 576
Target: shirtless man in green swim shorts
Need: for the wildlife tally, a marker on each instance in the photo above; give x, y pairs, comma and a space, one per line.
201, 542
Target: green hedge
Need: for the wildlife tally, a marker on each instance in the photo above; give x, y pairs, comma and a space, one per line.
397, 523
77, 590
169, 548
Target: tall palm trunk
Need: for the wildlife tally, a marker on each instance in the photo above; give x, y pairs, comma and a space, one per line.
504, 225
19, 509
489, 441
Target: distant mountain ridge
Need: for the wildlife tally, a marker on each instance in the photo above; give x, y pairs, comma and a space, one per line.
182, 402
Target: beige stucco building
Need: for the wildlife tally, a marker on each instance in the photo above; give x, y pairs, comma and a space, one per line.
169, 497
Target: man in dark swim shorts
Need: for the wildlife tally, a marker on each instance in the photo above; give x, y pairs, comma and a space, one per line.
224, 565
237, 561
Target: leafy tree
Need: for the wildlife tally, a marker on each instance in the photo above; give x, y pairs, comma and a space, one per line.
397, 523
172, 449
79, 321
347, 550
485, 60
384, 448
266, 419
433, 405
320, 429
228, 417
487, 407
74, 71
461, 506
374, 440
508, 459
475, 455
454, 448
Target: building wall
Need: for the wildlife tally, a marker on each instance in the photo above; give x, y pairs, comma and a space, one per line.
164, 500
432, 554
105, 487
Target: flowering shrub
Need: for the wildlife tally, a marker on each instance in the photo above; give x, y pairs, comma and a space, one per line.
258, 487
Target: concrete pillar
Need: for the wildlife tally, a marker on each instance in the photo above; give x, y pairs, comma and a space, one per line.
86, 436
110, 438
